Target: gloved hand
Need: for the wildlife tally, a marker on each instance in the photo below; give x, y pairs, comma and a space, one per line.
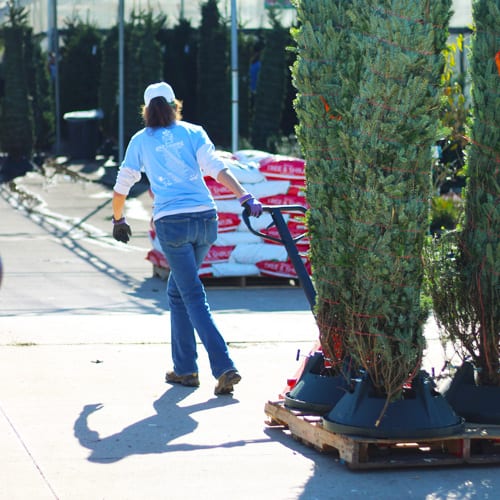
252, 206
121, 230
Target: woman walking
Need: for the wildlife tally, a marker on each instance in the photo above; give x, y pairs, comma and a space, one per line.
175, 156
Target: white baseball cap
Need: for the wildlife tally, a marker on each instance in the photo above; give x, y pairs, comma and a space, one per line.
161, 89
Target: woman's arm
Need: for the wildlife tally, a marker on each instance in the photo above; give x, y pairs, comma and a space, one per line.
228, 180
118, 203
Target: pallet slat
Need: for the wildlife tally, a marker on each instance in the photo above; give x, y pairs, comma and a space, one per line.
478, 444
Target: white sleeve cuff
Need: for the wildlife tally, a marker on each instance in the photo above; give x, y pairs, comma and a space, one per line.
125, 179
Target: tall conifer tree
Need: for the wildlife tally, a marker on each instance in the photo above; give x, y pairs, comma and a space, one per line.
373, 78
466, 288
326, 75
108, 88
17, 128
180, 71
480, 238
143, 64
271, 86
80, 66
214, 89
41, 93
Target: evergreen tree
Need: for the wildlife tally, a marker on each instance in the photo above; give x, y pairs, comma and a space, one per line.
289, 116
41, 94
368, 185
245, 50
464, 271
80, 66
108, 88
16, 131
214, 88
326, 75
480, 238
271, 86
397, 118
143, 65
180, 46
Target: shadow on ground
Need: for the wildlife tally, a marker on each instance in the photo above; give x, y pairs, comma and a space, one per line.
153, 434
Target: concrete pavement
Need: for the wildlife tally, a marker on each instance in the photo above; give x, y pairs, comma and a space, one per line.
84, 410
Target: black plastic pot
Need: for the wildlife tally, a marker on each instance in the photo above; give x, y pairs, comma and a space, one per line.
421, 413
475, 403
317, 390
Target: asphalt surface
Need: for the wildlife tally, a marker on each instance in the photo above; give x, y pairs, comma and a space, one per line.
84, 346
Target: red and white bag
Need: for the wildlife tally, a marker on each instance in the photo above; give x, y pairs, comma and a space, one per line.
280, 269
219, 254
228, 222
284, 199
283, 167
219, 192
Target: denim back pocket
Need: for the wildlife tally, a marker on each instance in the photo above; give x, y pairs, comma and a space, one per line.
209, 233
174, 230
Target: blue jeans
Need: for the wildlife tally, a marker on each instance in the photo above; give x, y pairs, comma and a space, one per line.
185, 240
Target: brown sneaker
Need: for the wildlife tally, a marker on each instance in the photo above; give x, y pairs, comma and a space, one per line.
189, 380
226, 381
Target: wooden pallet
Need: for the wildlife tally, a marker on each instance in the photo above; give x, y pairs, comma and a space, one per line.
477, 444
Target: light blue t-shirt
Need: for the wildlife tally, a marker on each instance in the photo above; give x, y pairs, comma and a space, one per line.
175, 160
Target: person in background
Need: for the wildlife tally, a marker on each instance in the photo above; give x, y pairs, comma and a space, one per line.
175, 156
255, 65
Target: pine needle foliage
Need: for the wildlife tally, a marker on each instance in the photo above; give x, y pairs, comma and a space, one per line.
40, 90
80, 65
326, 74
214, 82
464, 267
271, 85
17, 127
143, 65
108, 90
368, 75
179, 45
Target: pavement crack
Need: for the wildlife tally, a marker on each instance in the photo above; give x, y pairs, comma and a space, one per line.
28, 452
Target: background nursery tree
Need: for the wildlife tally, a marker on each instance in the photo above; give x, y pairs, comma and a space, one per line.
271, 86
80, 66
17, 129
143, 65
108, 89
464, 266
40, 89
214, 89
180, 48
369, 186
245, 52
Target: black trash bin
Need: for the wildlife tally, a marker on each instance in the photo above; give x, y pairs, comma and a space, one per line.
83, 133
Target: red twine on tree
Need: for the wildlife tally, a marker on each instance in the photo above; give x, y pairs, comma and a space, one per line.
328, 109
497, 60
